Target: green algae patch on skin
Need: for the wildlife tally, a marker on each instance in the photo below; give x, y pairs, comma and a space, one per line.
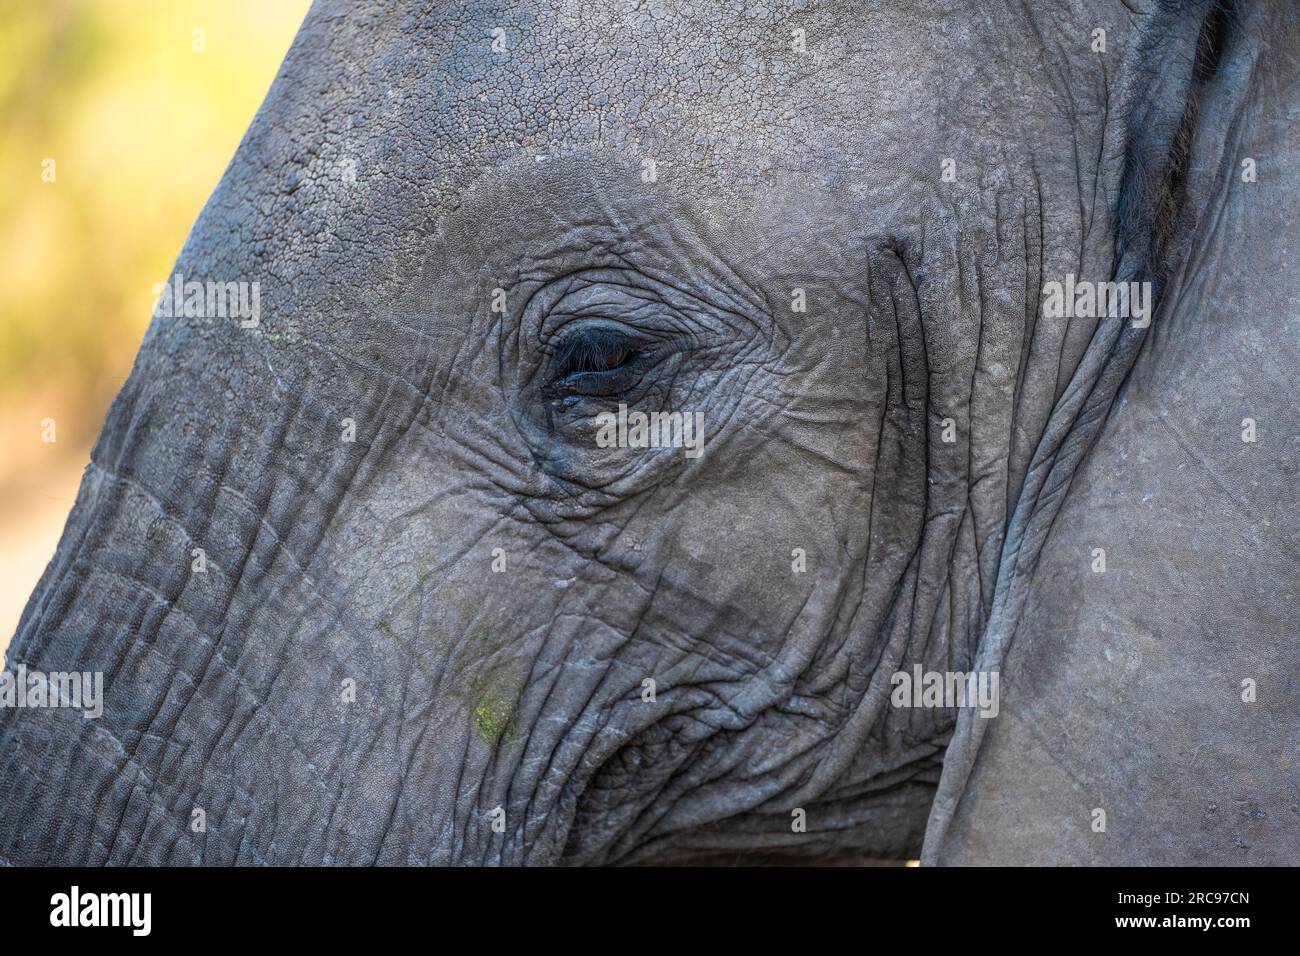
494, 711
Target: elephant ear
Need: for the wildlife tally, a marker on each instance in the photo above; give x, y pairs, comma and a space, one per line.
1145, 629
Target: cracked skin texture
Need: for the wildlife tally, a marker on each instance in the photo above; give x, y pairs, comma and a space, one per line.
398, 174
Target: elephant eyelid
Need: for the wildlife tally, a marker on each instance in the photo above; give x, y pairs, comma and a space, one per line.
594, 350
599, 362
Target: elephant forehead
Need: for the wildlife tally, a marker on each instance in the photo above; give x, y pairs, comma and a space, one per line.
695, 84
384, 117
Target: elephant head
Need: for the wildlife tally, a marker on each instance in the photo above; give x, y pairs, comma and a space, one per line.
382, 564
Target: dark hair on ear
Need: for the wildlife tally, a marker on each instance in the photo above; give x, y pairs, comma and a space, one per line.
1182, 50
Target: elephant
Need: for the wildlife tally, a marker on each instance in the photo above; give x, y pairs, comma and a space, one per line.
628, 409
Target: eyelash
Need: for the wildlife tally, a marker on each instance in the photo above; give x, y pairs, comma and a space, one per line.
590, 351
597, 362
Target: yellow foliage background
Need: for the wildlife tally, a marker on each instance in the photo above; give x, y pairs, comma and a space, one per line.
140, 114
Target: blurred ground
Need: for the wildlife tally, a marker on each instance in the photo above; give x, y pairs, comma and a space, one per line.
139, 104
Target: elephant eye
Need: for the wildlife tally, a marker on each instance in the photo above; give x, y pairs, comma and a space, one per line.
596, 361
597, 350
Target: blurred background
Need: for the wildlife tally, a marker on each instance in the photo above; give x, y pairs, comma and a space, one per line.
117, 119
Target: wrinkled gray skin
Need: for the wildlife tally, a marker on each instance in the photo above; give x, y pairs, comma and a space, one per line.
371, 561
